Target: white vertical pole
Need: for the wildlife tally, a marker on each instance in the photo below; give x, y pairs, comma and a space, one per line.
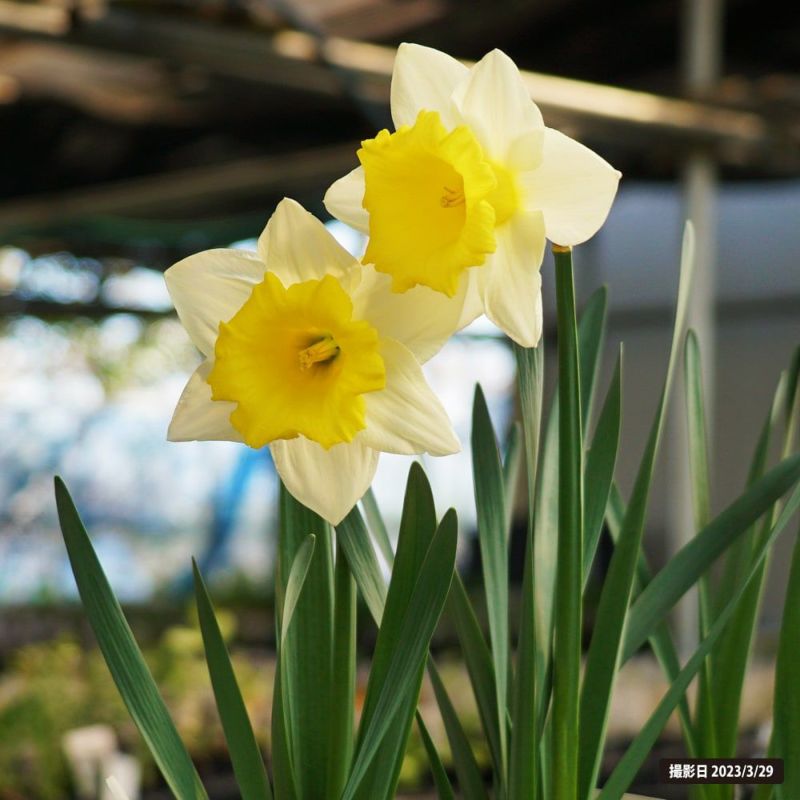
701, 67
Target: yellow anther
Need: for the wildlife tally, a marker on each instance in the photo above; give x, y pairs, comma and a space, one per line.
452, 197
324, 349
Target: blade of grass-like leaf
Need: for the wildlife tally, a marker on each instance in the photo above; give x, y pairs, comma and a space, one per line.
603, 658
306, 647
701, 501
248, 765
377, 525
660, 638
591, 338
786, 709
732, 653
343, 683
490, 504
531, 659
569, 578
282, 767
478, 661
123, 657
353, 538
470, 781
512, 463
295, 581
411, 645
591, 335
417, 529
692, 560
444, 790
600, 462
625, 771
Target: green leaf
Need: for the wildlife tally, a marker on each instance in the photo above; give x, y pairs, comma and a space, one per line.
248, 765
343, 680
470, 780
353, 538
409, 649
732, 653
591, 339
660, 638
701, 501
490, 504
625, 771
786, 710
600, 462
377, 525
591, 335
123, 657
478, 661
569, 578
527, 691
443, 788
417, 529
603, 658
306, 647
512, 463
294, 584
692, 560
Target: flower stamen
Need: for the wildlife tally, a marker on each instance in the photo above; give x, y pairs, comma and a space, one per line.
321, 351
452, 197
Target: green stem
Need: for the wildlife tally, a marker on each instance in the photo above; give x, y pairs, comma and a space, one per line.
567, 648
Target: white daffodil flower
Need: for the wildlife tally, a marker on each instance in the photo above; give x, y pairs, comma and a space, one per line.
469, 187
309, 352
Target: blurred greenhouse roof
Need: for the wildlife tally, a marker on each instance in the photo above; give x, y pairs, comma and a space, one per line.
136, 132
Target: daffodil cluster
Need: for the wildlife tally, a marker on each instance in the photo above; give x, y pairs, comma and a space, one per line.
318, 355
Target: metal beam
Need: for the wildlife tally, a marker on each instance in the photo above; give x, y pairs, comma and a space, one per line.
636, 120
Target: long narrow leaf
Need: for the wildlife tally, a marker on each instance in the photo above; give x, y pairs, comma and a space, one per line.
531, 658
683, 571
490, 504
343, 683
412, 641
248, 765
603, 658
123, 657
443, 788
470, 780
377, 525
417, 529
786, 709
353, 538
306, 646
600, 462
478, 661
294, 584
625, 771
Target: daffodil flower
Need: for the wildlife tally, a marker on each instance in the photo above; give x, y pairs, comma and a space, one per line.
309, 352
469, 187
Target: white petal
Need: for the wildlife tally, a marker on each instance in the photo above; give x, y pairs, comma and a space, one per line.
495, 103
297, 247
421, 318
473, 300
199, 418
210, 287
424, 78
329, 482
573, 187
114, 786
344, 200
406, 417
512, 284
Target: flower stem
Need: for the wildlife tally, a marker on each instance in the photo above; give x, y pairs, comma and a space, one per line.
567, 644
